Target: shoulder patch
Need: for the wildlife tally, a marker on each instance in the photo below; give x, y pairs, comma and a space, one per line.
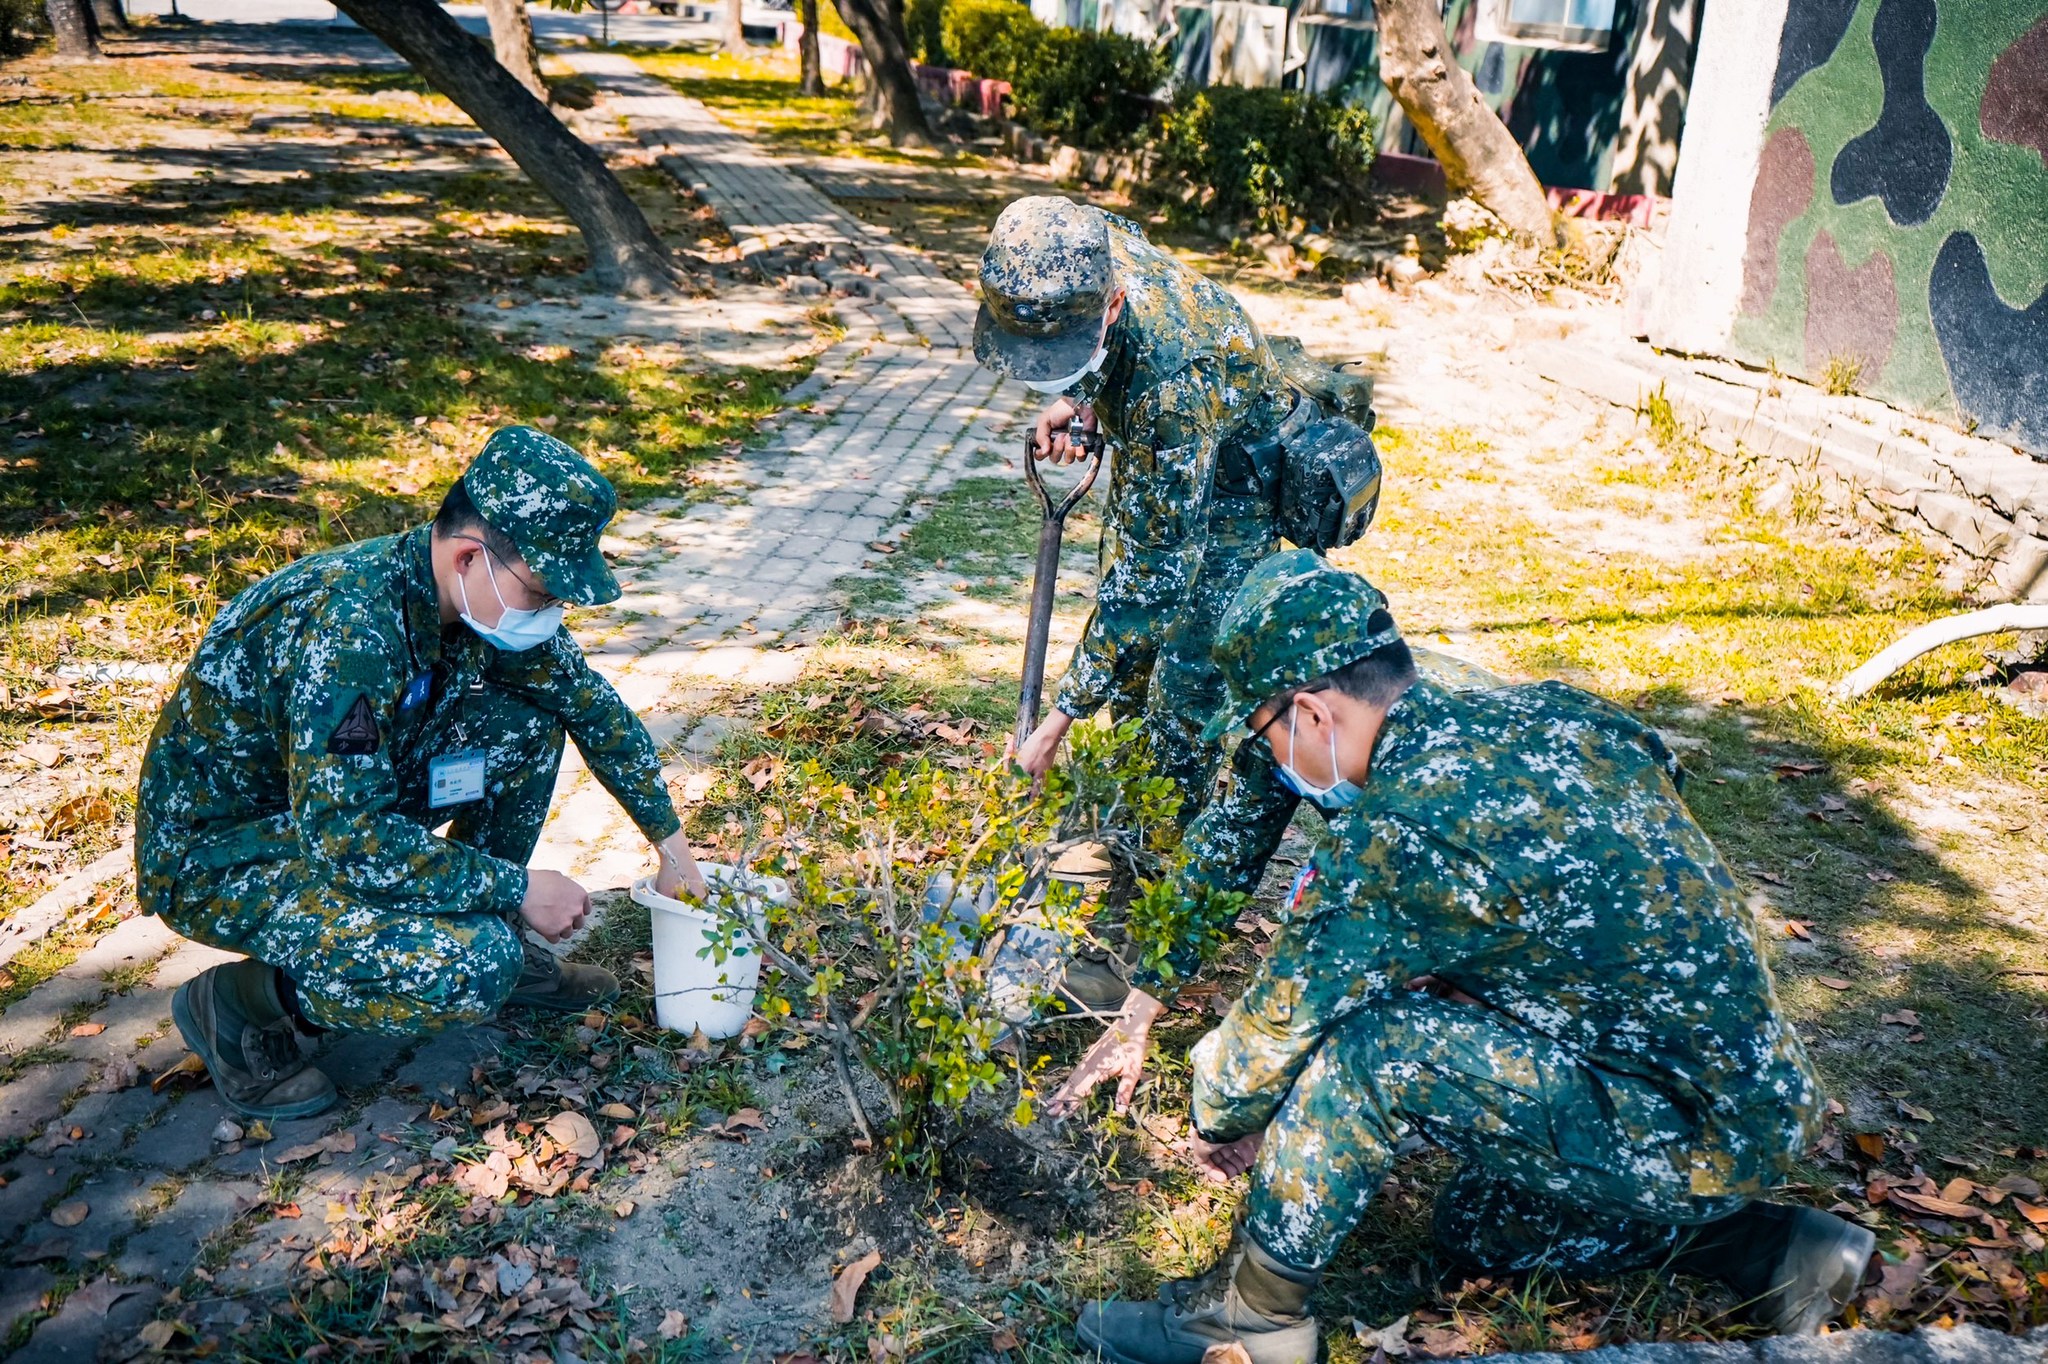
357, 734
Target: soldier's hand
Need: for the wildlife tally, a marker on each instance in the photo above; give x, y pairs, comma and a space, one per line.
676, 869
1222, 1163
1118, 1053
554, 906
1038, 751
1049, 437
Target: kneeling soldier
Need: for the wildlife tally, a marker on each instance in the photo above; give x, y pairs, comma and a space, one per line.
338, 712
1518, 945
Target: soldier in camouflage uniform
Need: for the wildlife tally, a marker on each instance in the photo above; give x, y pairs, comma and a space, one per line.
1167, 366
338, 712
1517, 945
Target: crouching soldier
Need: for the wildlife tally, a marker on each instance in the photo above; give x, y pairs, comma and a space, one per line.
1518, 945
340, 711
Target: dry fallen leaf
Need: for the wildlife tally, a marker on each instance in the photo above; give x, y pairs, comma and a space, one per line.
1004, 1340
616, 1112
1228, 1352
1930, 1206
189, 1067
72, 1213
846, 1287
673, 1325
88, 1030
1904, 1018
103, 1294
1871, 1144
41, 754
573, 1132
623, 1208
1834, 982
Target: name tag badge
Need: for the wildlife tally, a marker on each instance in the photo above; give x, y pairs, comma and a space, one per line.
417, 691
454, 778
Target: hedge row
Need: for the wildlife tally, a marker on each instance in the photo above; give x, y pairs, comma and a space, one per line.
1236, 155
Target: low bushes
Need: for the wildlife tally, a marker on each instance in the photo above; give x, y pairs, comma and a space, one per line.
1270, 156
20, 22
1260, 155
1090, 89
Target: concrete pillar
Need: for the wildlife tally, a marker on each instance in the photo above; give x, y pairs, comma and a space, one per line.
1699, 284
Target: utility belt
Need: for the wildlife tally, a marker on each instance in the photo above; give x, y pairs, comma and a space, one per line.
1317, 468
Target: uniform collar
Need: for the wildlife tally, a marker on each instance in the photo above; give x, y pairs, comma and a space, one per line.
1406, 728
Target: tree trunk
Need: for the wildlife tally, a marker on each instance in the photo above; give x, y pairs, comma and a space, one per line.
813, 73
71, 21
624, 253
1479, 154
512, 39
108, 16
886, 49
733, 32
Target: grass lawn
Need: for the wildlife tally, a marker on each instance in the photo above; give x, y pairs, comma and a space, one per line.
207, 372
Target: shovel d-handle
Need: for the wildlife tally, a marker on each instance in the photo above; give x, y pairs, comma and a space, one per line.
1045, 576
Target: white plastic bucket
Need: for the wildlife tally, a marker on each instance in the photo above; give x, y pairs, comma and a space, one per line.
691, 990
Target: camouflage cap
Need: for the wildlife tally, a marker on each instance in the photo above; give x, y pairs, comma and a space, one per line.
1294, 620
1046, 281
547, 499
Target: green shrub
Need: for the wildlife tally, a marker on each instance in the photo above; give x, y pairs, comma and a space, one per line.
923, 23
992, 38
1089, 89
1268, 156
20, 22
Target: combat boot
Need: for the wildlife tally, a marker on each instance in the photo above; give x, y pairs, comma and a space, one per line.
1796, 1268
563, 987
1094, 986
235, 1017
1249, 1298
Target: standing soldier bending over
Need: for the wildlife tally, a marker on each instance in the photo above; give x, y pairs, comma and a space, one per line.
338, 712
1177, 378
1520, 946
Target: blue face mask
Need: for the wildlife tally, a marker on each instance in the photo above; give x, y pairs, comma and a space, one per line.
517, 629
1331, 798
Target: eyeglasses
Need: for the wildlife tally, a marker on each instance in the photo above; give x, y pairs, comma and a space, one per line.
1284, 703
546, 599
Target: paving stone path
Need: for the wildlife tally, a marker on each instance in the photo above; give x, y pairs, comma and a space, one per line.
718, 595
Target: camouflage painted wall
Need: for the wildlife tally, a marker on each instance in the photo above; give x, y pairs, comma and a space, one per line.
1899, 222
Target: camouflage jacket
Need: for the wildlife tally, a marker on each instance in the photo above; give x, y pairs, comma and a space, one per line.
1186, 371
243, 764
1527, 845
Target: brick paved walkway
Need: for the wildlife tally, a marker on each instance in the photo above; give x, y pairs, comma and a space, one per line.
717, 595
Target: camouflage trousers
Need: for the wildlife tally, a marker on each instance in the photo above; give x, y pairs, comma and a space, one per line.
1183, 687
387, 966
1579, 1170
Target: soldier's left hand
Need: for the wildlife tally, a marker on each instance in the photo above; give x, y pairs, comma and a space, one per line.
1222, 1163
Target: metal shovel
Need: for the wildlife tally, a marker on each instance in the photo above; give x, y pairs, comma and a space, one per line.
1045, 578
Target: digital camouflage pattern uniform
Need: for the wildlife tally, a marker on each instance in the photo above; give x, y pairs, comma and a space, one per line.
284, 806
1187, 380
1626, 1070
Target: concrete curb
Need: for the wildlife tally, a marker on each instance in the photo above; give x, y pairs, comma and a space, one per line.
1965, 1344
1977, 497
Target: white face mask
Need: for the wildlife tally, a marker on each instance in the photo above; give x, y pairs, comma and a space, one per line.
517, 629
1061, 385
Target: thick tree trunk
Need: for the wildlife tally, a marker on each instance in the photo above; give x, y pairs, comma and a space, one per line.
512, 39
77, 36
886, 49
732, 30
624, 252
812, 80
108, 16
1479, 154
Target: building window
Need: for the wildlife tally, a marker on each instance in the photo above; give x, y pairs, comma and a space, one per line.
1570, 25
